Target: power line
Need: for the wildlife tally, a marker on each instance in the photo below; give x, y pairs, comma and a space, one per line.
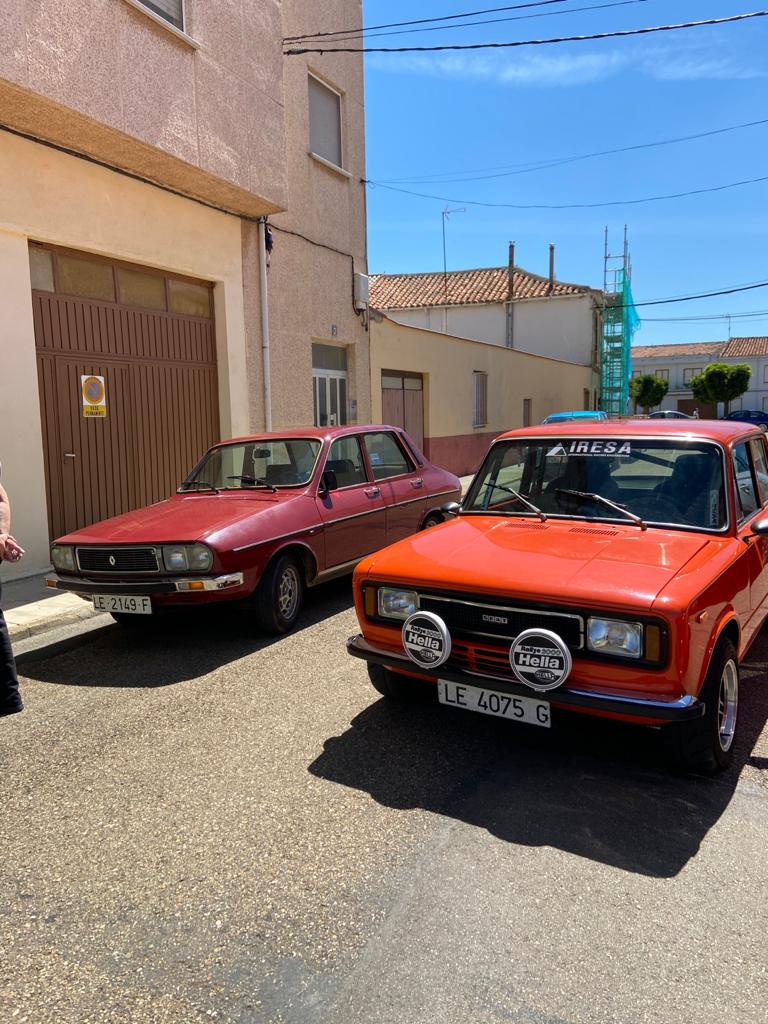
569, 206
447, 178
422, 21
488, 21
619, 33
692, 298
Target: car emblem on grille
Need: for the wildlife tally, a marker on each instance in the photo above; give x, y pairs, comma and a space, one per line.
112, 561
499, 620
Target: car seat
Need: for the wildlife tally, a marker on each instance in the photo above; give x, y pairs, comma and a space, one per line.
281, 475
346, 474
688, 487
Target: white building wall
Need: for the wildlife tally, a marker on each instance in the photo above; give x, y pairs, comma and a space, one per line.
755, 398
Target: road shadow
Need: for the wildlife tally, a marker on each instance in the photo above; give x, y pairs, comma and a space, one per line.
177, 647
588, 786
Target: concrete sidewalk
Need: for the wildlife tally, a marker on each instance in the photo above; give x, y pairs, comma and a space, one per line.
31, 608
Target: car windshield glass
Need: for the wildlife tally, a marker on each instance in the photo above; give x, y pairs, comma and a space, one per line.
660, 481
252, 465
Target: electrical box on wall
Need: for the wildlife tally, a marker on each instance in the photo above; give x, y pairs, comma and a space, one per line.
361, 291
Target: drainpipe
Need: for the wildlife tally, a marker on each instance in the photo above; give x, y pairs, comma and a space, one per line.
551, 269
265, 324
510, 297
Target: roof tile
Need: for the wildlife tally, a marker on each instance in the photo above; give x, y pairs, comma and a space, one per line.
462, 287
733, 349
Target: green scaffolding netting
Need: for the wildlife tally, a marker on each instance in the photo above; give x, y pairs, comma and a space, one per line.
620, 321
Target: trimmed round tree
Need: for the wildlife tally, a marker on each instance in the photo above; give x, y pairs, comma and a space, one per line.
720, 382
647, 391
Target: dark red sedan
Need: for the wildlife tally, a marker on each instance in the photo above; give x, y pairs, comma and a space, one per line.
259, 520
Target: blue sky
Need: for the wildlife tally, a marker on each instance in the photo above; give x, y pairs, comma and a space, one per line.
479, 111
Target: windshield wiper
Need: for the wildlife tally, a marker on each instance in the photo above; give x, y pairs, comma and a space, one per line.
198, 483
516, 494
604, 501
253, 481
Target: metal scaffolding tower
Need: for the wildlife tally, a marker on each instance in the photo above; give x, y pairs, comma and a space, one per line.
620, 321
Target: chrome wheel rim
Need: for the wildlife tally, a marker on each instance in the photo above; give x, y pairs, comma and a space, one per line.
288, 592
728, 705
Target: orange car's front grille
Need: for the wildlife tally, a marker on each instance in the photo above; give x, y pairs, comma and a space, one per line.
476, 658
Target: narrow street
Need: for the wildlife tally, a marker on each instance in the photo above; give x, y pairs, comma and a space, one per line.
200, 823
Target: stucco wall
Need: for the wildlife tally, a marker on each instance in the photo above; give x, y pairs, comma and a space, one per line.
51, 197
447, 363
102, 77
561, 328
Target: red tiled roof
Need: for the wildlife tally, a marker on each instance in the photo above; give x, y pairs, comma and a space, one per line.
464, 287
746, 347
708, 349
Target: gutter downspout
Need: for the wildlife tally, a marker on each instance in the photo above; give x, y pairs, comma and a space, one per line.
265, 325
510, 297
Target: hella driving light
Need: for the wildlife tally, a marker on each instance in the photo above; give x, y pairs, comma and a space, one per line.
397, 604
612, 636
63, 558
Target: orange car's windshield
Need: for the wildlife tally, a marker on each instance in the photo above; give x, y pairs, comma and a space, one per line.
664, 482
284, 462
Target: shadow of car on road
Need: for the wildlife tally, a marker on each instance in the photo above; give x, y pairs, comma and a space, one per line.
175, 648
591, 787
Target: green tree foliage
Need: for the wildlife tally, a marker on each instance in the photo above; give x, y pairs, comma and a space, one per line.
721, 383
647, 391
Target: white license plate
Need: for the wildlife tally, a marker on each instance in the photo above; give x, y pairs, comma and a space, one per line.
490, 702
122, 603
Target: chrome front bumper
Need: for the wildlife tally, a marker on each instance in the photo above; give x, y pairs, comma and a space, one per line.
679, 710
145, 588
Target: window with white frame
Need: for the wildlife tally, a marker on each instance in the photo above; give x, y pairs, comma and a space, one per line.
171, 11
480, 398
661, 374
690, 372
765, 374
325, 122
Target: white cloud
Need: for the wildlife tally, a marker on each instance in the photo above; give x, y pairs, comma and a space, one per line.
558, 70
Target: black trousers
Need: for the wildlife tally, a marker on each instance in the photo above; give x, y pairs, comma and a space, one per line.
10, 697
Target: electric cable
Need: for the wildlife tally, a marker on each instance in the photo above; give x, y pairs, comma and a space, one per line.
488, 21
569, 206
615, 34
690, 298
423, 21
449, 178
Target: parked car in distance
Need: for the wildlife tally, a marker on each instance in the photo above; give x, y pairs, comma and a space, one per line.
670, 414
760, 419
258, 520
617, 569
577, 416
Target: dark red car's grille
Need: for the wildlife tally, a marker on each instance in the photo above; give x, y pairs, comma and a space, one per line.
117, 559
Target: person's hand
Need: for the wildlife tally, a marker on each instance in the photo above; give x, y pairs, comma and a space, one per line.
10, 549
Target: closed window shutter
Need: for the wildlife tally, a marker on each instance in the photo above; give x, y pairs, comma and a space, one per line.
171, 10
324, 122
480, 411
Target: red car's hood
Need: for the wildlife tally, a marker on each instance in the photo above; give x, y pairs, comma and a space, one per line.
185, 518
570, 562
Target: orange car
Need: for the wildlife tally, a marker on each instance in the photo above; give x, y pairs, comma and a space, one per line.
617, 569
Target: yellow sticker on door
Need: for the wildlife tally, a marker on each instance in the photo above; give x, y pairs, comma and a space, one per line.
94, 395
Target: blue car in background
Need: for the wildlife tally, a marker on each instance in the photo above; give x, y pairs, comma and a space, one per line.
760, 419
580, 416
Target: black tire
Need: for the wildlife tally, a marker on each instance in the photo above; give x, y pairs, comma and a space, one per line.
433, 519
397, 687
706, 744
280, 595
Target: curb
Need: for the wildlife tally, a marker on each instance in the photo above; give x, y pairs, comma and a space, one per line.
24, 631
53, 643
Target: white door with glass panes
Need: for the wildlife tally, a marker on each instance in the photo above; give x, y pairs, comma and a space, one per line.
330, 398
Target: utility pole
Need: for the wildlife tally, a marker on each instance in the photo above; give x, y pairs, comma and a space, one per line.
446, 213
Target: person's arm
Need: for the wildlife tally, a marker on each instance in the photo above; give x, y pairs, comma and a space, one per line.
9, 548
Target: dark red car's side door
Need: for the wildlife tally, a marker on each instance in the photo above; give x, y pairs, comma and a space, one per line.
353, 512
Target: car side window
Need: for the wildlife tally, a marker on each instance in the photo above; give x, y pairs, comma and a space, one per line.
386, 456
746, 495
345, 459
760, 462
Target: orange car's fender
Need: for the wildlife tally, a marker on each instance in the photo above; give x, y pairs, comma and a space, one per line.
727, 621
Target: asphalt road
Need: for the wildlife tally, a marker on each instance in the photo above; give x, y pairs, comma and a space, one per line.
200, 824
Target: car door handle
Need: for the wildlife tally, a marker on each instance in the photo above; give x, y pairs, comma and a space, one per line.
372, 492
418, 482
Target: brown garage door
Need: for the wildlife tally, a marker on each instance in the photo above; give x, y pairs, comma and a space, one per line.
402, 402
151, 337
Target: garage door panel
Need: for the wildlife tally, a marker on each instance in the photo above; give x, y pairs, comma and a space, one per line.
161, 397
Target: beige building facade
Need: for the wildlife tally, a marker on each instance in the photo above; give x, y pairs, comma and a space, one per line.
454, 395
150, 156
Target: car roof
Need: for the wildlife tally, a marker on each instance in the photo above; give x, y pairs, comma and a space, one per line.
723, 431
314, 433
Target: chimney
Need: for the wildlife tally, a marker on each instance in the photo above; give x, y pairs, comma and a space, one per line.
511, 272
551, 269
